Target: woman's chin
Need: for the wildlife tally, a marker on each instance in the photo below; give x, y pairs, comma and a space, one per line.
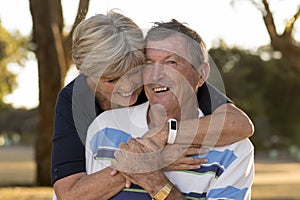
122, 101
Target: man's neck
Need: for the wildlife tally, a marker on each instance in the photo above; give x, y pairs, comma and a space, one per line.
157, 116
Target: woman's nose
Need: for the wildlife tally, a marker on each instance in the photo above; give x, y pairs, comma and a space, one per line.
129, 82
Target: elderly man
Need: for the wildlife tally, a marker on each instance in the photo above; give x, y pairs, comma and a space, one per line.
176, 68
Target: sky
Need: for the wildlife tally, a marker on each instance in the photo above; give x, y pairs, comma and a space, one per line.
239, 24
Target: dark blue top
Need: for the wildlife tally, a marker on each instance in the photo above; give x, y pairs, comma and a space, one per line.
77, 107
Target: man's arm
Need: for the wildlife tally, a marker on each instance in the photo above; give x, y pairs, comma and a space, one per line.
153, 182
99, 185
142, 167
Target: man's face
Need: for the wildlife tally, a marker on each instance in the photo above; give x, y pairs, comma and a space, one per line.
170, 80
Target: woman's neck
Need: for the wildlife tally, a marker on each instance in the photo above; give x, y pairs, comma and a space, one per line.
103, 102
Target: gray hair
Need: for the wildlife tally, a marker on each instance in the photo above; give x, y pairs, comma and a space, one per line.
194, 44
107, 45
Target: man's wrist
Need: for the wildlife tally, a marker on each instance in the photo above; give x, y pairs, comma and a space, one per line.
163, 134
172, 124
164, 192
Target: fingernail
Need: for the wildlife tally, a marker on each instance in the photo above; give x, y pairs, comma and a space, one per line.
205, 150
113, 172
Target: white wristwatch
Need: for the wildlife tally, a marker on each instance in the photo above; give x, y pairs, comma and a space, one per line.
172, 131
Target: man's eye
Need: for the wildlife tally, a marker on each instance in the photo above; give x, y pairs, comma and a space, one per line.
171, 62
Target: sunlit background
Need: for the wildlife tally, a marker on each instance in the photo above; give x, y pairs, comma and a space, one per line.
239, 24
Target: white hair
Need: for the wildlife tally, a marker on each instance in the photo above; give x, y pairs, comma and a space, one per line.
106, 45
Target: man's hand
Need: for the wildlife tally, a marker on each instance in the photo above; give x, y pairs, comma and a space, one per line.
178, 157
175, 156
137, 164
134, 157
172, 157
156, 138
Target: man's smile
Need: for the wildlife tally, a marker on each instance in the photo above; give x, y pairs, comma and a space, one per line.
160, 89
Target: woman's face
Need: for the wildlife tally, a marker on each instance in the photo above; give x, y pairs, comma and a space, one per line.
113, 92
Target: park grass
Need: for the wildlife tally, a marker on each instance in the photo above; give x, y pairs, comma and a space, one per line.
274, 180
26, 193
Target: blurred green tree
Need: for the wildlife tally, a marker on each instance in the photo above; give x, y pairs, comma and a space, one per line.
267, 88
282, 41
13, 49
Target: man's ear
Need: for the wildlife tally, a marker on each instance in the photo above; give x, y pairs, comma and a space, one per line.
204, 70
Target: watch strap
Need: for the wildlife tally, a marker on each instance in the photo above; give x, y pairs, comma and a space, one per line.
164, 192
172, 131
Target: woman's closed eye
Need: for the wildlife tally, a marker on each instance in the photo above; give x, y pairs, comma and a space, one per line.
113, 80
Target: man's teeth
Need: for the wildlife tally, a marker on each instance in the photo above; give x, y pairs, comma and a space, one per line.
160, 89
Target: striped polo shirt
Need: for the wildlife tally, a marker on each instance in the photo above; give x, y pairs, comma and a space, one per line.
228, 174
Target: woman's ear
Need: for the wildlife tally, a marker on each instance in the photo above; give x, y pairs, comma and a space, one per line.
204, 70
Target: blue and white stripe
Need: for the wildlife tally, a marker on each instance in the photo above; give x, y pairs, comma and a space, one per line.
228, 174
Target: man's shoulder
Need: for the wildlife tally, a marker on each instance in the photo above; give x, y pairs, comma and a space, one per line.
241, 148
244, 144
121, 118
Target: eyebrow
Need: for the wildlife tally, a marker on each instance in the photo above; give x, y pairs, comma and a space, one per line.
171, 53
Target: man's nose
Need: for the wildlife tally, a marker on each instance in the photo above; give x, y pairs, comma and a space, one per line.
157, 72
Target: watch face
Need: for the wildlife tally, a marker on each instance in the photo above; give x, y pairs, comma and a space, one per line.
173, 125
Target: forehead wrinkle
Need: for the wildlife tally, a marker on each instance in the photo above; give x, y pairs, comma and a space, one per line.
160, 53
175, 45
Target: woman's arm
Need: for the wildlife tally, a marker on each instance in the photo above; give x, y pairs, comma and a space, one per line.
226, 125
99, 185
